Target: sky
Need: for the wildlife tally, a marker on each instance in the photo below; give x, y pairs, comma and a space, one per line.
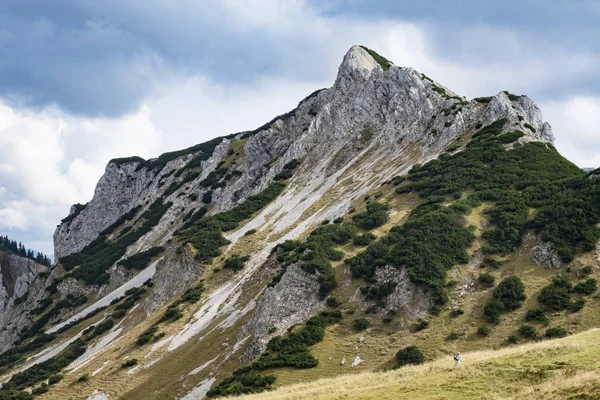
85, 81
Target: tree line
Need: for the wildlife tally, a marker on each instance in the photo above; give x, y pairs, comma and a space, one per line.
18, 248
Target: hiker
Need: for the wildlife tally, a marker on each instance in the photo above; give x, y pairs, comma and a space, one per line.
457, 359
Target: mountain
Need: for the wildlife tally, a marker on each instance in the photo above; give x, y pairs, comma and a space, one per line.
383, 212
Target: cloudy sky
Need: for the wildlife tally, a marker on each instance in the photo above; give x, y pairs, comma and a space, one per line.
84, 81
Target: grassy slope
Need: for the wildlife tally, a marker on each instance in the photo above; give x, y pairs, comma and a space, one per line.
557, 369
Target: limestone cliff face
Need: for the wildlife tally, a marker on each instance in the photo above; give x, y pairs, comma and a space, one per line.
367, 107
21, 288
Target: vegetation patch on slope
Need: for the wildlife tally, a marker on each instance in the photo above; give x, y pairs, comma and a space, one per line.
206, 233
292, 351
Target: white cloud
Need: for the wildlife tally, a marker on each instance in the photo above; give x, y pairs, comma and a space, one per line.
576, 124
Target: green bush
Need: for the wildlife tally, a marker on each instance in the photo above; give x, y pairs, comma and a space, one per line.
129, 363
557, 295
364, 240
142, 259
453, 336
173, 313
39, 390
486, 279
410, 355
537, 314
555, 333
490, 262
510, 292
588, 287
421, 325
374, 216
577, 305
54, 379
362, 323
83, 378
235, 262
193, 294
492, 311
527, 331
332, 302
483, 330
250, 232
457, 312
507, 296
512, 339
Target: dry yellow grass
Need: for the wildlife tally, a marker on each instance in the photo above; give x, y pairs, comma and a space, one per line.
557, 369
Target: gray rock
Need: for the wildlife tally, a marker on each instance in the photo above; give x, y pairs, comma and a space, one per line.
291, 301
21, 288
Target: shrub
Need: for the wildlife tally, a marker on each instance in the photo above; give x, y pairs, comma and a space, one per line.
483, 330
556, 296
364, 240
193, 294
409, 355
588, 287
129, 363
536, 315
103, 326
141, 259
83, 378
577, 305
456, 312
421, 325
207, 197
332, 302
40, 390
587, 270
338, 220
54, 379
235, 262
527, 331
512, 339
375, 215
118, 314
555, 333
361, 323
510, 292
250, 232
173, 313
453, 336
492, 311
486, 279
491, 262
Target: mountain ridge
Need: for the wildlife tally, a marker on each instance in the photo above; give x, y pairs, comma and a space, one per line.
235, 245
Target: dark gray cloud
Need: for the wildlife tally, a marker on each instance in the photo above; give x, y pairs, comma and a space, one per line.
103, 58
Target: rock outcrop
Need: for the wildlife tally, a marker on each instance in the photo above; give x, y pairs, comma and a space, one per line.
21, 288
